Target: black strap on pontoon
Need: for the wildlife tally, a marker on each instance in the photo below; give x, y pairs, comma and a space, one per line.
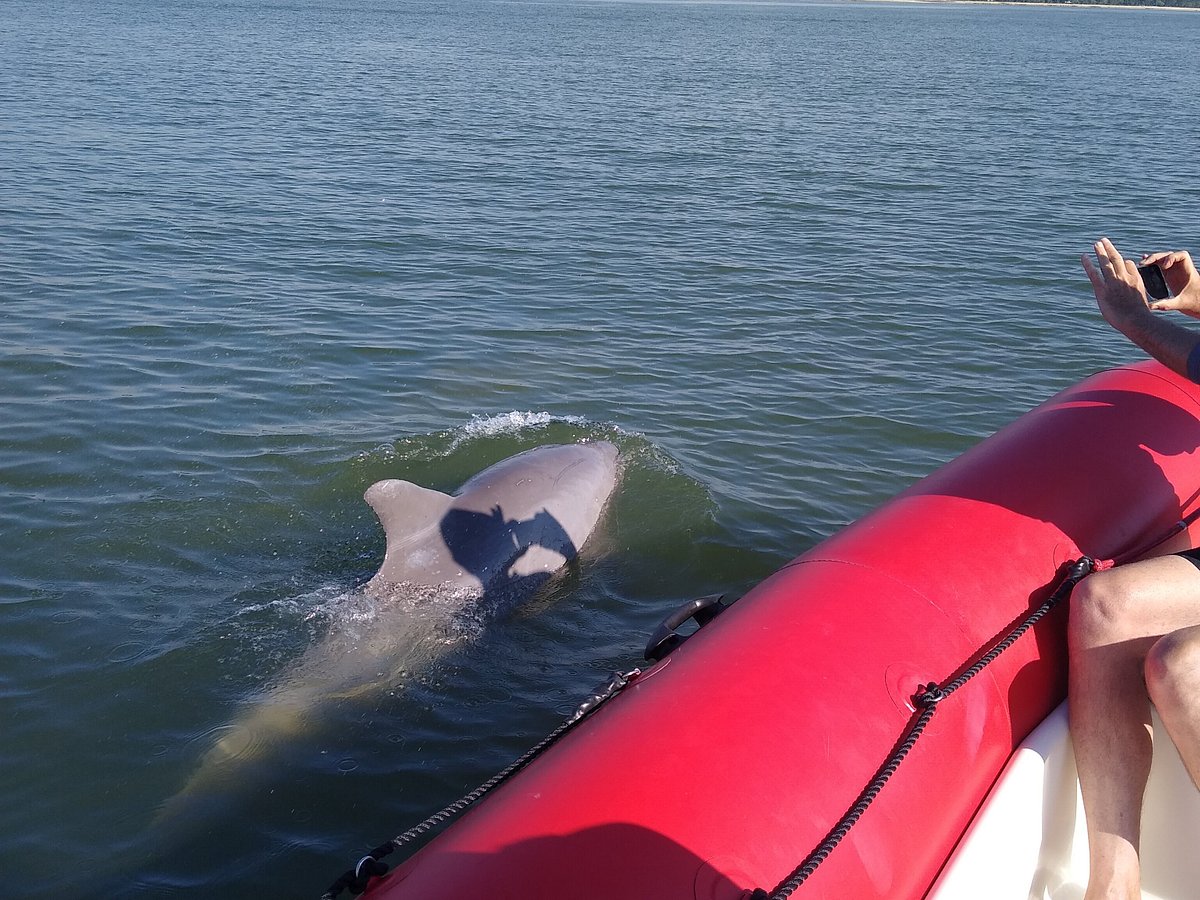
355, 880
927, 701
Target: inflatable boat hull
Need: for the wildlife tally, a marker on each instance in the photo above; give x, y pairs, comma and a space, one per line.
725, 764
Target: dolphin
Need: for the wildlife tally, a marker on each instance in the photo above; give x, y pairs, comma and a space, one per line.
450, 559
505, 530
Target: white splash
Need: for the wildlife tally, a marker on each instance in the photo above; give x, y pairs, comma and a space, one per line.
510, 423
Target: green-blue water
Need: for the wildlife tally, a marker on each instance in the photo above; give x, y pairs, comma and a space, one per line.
257, 255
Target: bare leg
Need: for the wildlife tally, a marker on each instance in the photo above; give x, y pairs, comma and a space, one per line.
1116, 617
1173, 682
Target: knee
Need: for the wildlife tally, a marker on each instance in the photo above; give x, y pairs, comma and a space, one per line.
1172, 669
1104, 610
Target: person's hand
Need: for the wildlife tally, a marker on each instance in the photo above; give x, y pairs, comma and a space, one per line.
1120, 293
1181, 277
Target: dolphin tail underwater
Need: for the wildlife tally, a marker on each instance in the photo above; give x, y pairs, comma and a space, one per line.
450, 560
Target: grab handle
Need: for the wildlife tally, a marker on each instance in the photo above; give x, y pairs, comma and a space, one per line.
666, 637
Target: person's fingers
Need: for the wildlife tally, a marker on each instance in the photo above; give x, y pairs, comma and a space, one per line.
1162, 256
1114, 256
1168, 258
1093, 273
1125, 270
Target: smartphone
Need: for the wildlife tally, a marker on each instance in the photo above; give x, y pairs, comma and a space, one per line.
1156, 285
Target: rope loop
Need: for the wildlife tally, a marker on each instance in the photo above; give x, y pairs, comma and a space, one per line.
930, 695
1084, 566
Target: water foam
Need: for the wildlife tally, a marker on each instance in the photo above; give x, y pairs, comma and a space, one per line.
510, 423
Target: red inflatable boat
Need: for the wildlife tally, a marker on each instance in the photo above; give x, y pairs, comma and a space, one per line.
717, 770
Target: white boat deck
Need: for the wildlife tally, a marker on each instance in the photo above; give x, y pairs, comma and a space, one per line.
1029, 840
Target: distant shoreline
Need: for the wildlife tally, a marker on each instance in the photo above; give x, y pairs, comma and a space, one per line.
1077, 4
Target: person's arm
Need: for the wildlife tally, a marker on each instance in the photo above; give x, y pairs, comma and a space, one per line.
1121, 297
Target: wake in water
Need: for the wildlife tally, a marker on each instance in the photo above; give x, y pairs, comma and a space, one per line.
379, 640
373, 649
451, 563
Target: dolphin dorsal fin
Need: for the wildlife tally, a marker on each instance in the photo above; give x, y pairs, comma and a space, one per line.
405, 509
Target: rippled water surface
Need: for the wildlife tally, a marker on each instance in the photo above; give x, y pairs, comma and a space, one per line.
255, 256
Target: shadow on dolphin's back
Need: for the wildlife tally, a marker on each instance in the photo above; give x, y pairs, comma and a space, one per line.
474, 539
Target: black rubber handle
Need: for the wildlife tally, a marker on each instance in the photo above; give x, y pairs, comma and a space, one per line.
665, 637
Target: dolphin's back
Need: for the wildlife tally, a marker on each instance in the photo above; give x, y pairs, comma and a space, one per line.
526, 515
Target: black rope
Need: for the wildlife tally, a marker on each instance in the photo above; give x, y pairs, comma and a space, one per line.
928, 699
355, 880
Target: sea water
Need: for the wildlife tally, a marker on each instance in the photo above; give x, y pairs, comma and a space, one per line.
257, 254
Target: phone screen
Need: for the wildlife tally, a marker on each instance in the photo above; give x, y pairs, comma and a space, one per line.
1156, 285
